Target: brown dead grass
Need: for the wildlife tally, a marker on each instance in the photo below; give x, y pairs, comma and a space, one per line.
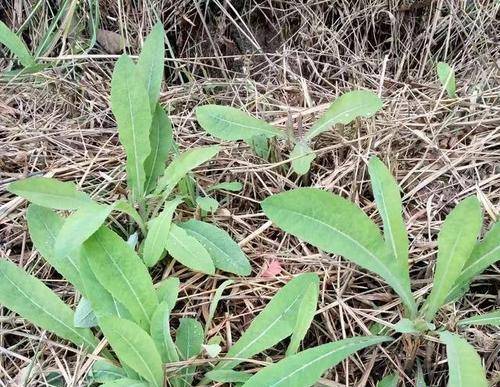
283, 61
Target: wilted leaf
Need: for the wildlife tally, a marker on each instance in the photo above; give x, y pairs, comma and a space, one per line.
272, 269
112, 42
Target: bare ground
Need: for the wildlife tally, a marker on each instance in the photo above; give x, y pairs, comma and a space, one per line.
283, 61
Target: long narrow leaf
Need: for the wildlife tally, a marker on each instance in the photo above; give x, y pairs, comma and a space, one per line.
16, 45
231, 124
168, 290
446, 76
456, 240
337, 226
51, 193
130, 105
305, 368
160, 332
491, 318
122, 273
464, 363
134, 347
31, 299
189, 340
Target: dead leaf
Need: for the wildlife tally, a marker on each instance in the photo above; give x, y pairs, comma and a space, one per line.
112, 42
272, 269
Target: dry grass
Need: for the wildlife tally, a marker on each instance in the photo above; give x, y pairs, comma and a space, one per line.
283, 61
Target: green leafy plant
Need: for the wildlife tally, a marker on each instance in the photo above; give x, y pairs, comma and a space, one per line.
338, 226
446, 76
230, 124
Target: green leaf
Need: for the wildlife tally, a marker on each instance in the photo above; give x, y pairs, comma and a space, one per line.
84, 315
126, 382
337, 226
305, 316
390, 380
156, 239
168, 290
207, 203
276, 322
130, 105
420, 381
231, 124
31, 299
225, 252
52, 193
102, 302
16, 45
227, 376
491, 318
464, 363
150, 63
232, 186
405, 326
260, 146
161, 140
306, 367
345, 109
105, 371
125, 207
188, 251
485, 253
160, 332
80, 226
44, 226
388, 199
456, 240
302, 156
215, 302
446, 76
184, 164
189, 340
122, 273
134, 347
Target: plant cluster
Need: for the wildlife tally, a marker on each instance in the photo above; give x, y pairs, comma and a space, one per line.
119, 300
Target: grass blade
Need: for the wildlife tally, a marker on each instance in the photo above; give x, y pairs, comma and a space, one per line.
10, 40
215, 302
456, 240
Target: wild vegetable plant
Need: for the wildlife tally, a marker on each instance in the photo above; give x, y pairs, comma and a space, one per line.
446, 76
338, 226
230, 124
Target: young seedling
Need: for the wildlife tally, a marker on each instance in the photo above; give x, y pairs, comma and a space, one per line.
446, 76
230, 124
338, 226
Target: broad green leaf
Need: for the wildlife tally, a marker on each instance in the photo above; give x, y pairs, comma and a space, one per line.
345, 109
16, 45
32, 300
231, 124
105, 371
388, 199
233, 186
44, 226
188, 251
456, 240
184, 164
276, 322
390, 380
215, 302
126, 382
80, 226
168, 290
189, 340
302, 156
337, 226
225, 252
491, 318
160, 333
485, 253
51, 193
150, 63
405, 326
207, 204
84, 315
122, 273
464, 363
103, 303
227, 376
212, 350
134, 347
446, 76
305, 315
130, 106
160, 138
306, 367
156, 239
260, 146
